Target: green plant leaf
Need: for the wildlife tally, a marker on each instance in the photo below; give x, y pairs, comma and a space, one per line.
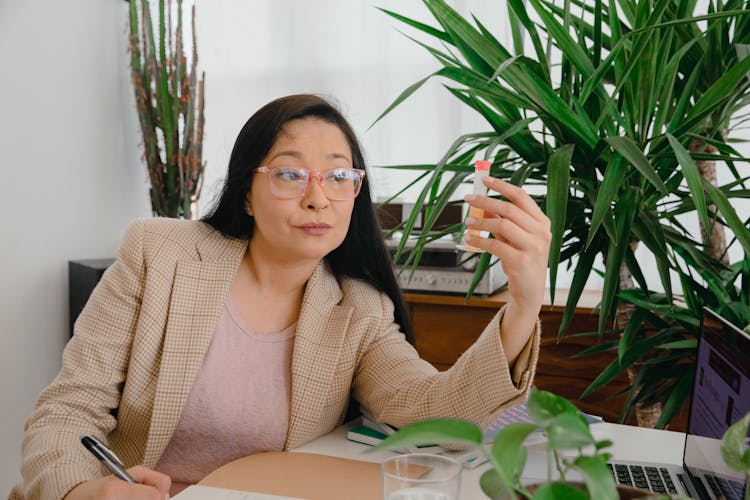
631, 329
721, 90
637, 350
568, 431
687, 92
567, 45
559, 491
543, 406
611, 183
491, 484
466, 38
600, 347
635, 269
599, 481
650, 232
440, 35
580, 276
518, 9
524, 76
693, 179
734, 449
624, 214
627, 148
727, 211
401, 98
677, 396
508, 450
482, 265
558, 174
439, 430
506, 101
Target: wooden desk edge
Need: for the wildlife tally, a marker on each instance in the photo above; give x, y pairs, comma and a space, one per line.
588, 301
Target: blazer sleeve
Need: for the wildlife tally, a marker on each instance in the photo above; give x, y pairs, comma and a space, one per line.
84, 396
399, 387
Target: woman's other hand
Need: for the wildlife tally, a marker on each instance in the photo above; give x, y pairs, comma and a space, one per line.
151, 485
521, 241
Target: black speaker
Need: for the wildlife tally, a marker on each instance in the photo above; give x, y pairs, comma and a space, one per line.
83, 275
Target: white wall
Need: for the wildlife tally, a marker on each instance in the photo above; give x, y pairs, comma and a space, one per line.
71, 181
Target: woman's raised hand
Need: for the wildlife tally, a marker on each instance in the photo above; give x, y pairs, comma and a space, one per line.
521, 241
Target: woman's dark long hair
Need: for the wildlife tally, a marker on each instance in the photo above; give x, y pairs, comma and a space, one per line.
362, 254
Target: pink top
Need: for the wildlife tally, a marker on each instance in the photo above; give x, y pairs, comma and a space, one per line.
238, 404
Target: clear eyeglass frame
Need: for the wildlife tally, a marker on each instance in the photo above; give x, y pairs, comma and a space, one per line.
296, 188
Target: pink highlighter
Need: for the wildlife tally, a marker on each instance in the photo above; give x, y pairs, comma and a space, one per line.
481, 170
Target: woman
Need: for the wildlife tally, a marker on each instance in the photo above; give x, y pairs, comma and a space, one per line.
247, 332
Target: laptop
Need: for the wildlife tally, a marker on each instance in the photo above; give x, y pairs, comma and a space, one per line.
721, 396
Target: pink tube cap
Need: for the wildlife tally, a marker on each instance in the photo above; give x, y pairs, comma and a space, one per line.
482, 165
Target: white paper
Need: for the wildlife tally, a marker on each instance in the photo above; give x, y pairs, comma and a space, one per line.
198, 492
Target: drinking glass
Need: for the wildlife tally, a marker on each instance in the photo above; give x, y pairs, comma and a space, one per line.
420, 476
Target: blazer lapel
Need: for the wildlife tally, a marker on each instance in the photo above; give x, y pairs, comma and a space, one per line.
199, 292
321, 329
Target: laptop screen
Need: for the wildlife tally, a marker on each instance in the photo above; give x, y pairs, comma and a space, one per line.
721, 396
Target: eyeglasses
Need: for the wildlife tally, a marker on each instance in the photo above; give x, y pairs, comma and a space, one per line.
293, 182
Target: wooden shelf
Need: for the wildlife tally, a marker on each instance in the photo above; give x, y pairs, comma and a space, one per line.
446, 325
588, 301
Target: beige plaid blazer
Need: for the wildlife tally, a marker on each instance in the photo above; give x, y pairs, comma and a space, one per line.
142, 337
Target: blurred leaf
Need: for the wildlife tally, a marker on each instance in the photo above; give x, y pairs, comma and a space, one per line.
734, 449
599, 481
568, 431
544, 406
508, 450
491, 484
559, 491
439, 430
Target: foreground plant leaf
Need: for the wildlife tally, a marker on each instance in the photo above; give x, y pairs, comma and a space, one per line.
734, 448
439, 430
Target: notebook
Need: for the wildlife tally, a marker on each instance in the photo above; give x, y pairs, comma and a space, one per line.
200, 492
373, 432
720, 397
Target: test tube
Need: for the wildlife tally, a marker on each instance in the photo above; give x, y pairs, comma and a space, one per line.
481, 170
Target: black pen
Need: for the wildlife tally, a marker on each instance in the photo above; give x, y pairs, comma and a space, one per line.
107, 457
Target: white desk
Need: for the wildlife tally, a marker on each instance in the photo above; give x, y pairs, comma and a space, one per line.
629, 443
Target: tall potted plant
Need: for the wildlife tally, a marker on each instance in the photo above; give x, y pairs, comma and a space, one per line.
602, 112
668, 350
169, 99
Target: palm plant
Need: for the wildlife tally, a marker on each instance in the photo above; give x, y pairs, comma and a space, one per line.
602, 111
663, 334
169, 100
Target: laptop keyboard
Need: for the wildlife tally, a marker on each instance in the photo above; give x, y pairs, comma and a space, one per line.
724, 488
655, 479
